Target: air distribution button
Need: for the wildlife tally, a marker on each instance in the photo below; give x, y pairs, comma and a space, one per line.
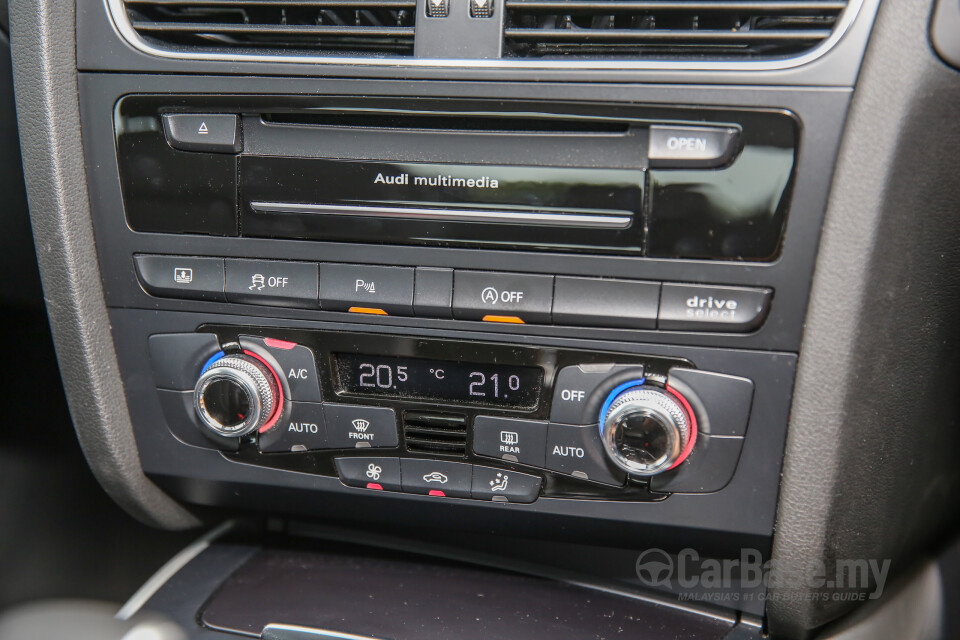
379, 474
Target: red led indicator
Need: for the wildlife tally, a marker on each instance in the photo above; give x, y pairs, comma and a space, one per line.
279, 344
374, 486
437, 492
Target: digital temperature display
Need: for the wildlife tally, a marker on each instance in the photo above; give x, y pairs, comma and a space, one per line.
443, 380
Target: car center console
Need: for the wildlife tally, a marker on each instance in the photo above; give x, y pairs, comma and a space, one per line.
422, 278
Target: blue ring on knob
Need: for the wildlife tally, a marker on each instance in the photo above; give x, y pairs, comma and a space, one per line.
613, 396
213, 358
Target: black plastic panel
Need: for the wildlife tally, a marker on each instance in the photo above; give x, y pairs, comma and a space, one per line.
168, 190
333, 348
820, 110
745, 506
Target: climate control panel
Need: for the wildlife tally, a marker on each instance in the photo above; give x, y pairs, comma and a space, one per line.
453, 419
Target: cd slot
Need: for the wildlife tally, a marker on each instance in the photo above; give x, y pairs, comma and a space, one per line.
449, 122
536, 218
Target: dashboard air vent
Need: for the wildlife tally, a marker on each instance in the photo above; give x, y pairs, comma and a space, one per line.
326, 27
668, 29
435, 433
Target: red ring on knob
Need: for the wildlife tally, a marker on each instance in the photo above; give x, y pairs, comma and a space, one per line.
692, 418
278, 405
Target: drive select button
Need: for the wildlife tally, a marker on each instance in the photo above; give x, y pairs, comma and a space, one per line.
502, 297
691, 307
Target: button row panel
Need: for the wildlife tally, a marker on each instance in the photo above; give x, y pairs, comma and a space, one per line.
459, 294
312, 426
572, 450
438, 478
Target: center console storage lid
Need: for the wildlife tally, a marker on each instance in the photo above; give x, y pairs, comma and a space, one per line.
375, 594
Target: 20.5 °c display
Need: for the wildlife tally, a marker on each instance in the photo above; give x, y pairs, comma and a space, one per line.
444, 380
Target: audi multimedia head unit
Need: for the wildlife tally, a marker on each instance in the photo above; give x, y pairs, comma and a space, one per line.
672, 183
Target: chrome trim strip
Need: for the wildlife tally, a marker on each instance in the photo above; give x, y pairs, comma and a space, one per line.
320, 634
121, 23
170, 569
579, 220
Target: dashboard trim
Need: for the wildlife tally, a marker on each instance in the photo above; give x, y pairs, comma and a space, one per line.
124, 27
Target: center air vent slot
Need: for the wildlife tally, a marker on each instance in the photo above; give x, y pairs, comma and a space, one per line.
667, 29
345, 27
435, 433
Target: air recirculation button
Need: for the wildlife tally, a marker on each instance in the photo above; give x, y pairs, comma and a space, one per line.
646, 430
237, 395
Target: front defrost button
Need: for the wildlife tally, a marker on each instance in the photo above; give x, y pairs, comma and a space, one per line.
350, 426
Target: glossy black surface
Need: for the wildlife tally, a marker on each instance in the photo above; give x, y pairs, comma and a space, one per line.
510, 189
165, 190
419, 598
568, 158
735, 213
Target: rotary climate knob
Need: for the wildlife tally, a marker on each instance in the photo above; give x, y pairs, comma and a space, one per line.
646, 430
236, 395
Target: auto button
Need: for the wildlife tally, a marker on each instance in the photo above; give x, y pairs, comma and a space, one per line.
302, 430
578, 451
